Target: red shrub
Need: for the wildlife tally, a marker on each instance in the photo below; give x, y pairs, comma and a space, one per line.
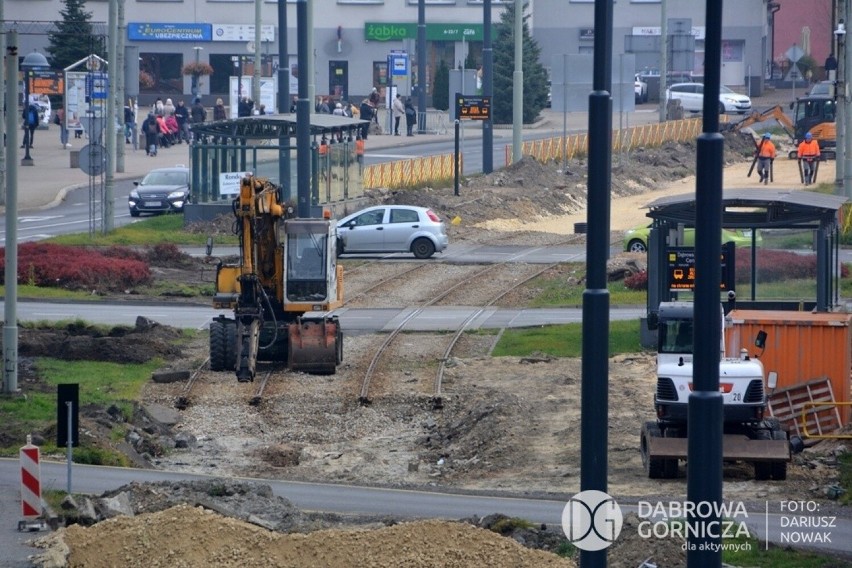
774, 265
637, 281
167, 254
76, 268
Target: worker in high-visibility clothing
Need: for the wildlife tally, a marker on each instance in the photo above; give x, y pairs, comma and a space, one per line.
359, 153
765, 156
808, 156
323, 156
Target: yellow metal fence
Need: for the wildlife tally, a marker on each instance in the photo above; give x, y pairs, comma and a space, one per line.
432, 169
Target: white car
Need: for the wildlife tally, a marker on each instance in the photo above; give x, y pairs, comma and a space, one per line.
392, 228
691, 97
640, 88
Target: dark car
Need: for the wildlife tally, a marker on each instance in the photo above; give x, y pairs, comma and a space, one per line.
164, 190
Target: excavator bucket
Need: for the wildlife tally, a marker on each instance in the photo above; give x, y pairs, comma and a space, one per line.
315, 345
734, 448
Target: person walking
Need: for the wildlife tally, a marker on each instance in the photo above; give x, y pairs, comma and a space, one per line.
765, 156
219, 111
30, 124
398, 109
129, 123
410, 117
152, 132
366, 114
182, 117
808, 153
359, 153
59, 119
168, 108
198, 114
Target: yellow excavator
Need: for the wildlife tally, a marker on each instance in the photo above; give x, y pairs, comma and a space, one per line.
281, 289
814, 114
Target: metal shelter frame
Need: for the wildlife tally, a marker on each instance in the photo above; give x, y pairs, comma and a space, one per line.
753, 209
234, 145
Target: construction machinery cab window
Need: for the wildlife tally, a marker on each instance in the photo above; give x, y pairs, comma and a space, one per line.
823, 109
306, 266
675, 336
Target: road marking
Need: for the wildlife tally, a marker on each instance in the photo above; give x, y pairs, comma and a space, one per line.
38, 219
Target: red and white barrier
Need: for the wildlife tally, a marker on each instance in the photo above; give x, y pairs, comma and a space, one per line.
30, 481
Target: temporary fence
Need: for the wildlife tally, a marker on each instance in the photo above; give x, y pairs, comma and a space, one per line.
649, 135
411, 172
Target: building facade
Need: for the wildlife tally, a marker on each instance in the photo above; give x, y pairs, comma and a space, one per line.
353, 39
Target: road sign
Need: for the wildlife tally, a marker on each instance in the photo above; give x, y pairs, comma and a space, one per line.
97, 85
399, 64
93, 159
794, 53
680, 268
473, 107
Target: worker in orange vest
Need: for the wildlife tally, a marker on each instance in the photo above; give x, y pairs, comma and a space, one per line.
359, 153
765, 156
323, 156
808, 158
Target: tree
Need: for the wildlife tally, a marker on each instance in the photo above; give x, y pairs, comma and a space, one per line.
535, 75
73, 37
441, 87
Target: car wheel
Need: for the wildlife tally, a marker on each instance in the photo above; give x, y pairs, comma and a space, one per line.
721, 108
636, 246
134, 213
339, 247
423, 248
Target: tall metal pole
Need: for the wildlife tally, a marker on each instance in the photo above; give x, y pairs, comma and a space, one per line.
283, 61
421, 66
310, 61
839, 77
255, 85
595, 363
119, 87
2, 122
847, 104
109, 141
704, 414
303, 115
664, 58
487, 89
518, 84
10, 306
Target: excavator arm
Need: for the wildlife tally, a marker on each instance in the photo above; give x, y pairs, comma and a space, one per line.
776, 112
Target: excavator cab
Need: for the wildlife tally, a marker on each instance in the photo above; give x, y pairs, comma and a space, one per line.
817, 115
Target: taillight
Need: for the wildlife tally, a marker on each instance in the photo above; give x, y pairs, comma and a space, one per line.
432, 216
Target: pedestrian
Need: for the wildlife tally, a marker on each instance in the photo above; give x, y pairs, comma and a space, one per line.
410, 117
198, 114
245, 107
219, 111
398, 109
30, 124
129, 123
59, 119
261, 110
359, 153
293, 104
765, 157
173, 129
163, 139
367, 115
323, 106
323, 157
182, 117
168, 108
338, 110
151, 131
808, 153
158, 107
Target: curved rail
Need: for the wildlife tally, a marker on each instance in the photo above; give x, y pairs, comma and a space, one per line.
183, 400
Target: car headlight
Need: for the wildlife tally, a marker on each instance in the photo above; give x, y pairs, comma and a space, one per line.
134, 194
177, 194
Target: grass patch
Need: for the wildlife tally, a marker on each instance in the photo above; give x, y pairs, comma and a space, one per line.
158, 229
101, 383
754, 553
555, 292
566, 340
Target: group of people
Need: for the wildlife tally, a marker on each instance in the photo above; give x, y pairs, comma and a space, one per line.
166, 124
807, 152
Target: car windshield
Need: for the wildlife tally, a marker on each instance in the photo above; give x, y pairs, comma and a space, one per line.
165, 178
724, 89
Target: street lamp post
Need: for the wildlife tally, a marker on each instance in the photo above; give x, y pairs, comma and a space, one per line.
195, 88
31, 62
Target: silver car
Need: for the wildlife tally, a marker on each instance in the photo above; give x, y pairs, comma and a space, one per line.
392, 228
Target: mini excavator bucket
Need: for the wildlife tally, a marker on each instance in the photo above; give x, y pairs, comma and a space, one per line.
315, 345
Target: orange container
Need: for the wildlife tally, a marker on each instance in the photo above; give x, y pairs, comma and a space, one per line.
800, 347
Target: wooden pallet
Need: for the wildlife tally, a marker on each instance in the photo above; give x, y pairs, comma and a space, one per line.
809, 409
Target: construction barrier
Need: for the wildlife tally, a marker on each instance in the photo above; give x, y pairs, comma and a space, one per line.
409, 173
30, 481
649, 135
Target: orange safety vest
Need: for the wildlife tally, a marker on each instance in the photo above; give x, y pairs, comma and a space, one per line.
359, 147
809, 149
767, 149
323, 149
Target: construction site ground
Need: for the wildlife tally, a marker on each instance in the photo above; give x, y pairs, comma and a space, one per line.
509, 426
